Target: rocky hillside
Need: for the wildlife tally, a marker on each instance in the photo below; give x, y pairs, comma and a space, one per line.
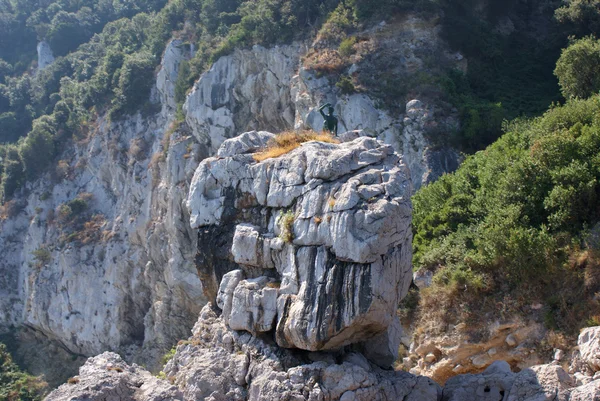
99, 254
300, 311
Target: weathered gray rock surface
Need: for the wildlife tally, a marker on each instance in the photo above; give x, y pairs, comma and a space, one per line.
314, 244
45, 56
589, 347
108, 377
221, 364
218, 363
541, 382
127, 282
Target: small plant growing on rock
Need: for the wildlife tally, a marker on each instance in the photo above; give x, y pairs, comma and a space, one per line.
168, 356
346, 48
286, 226
346, 85
73, 380
42, 256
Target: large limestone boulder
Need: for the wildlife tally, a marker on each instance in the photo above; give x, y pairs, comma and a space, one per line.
314, 245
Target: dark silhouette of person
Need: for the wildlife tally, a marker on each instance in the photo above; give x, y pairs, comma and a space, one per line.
330, 122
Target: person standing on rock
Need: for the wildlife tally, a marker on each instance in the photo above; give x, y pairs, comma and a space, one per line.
330, 122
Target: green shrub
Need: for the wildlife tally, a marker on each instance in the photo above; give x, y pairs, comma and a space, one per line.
578, 68
583, 16
15, 384
135, 81
347, 46
346, 85
514, 206
42, 256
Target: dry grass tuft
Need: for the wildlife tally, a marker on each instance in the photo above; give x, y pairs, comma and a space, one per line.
290, 140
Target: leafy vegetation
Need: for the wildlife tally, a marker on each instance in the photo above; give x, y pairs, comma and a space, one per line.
16, 385
519, 214
578, 68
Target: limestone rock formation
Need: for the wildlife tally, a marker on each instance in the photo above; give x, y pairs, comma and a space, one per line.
246, 90
314, 244
269, 89
174, 54
219, 363
45, 56
108, 377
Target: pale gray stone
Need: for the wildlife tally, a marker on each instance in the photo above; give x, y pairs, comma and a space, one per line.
45, 56
589, 346
108, 377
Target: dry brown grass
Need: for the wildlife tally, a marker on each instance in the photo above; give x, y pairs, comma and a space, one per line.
325, 62
290, 140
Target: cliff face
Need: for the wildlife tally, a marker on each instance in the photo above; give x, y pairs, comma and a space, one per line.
100, 254
118, 274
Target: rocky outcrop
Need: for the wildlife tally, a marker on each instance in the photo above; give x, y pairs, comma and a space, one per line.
454, 352
541, 382
218, 363
243, 91
314, 244
221, 364
175, 53
108, 377
120, 275
45, 56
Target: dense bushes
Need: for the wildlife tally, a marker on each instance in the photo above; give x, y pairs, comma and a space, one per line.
514, 212
16, 385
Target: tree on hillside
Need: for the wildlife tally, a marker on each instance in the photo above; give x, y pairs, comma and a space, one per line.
578, 68
582, 15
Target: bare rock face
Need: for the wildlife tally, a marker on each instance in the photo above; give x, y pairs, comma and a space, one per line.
119, 275
246, 90
108, 377
175, 53
45, 56
314, 244
218, 363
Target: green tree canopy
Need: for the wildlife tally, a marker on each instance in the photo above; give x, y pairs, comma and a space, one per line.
578, 68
